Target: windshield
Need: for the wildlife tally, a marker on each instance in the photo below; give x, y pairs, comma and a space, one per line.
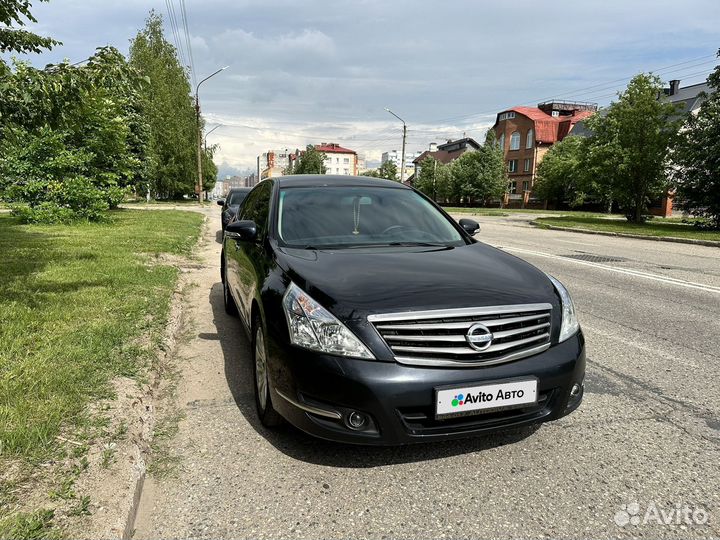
340, 217
237, 197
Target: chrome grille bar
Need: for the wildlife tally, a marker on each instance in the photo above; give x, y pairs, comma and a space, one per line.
438, 337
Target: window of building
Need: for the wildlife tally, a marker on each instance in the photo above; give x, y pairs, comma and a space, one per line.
346, 160
556, 113
346, 171
526, 185
512, 165
501, 142
337, 160
507, 116
526, 165
530, 139
515, 141
512, 187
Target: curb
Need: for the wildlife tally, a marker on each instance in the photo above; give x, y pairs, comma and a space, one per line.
131, 514
674, 239
142, 450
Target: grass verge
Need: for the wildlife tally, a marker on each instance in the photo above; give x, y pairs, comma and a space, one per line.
510, 211
656, 227
77, 304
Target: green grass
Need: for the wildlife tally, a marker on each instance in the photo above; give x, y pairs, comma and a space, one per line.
29, 526
170, 202
655, 227
477, 211
79, 305
510, 211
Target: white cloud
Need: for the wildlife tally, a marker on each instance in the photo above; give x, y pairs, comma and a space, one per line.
314, 71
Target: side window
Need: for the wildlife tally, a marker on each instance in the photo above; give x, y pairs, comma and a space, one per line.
257, 206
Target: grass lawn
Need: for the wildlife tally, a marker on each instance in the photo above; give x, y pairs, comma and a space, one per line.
655, 227
509, 211
78, 304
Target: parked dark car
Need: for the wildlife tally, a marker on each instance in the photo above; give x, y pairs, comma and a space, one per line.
231, 203
375, 318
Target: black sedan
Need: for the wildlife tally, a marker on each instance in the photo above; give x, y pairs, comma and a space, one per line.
375, 318
231, 204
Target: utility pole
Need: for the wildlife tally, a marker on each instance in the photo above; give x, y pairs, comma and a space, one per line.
402, 159
198, 186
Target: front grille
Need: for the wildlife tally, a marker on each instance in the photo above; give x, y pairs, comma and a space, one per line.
439, 337
422, 420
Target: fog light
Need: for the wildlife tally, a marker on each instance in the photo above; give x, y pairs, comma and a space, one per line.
575, 390
356, 420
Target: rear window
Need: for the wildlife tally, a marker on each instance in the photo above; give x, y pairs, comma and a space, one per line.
237, 197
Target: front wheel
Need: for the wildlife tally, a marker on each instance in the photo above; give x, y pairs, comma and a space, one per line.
228, 301
267, 414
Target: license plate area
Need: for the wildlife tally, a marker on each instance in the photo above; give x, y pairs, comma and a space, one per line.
478, 398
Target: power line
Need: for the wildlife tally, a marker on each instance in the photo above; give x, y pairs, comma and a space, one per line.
175, 32
187, 41
578, 92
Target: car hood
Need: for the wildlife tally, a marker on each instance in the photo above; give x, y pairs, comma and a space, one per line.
354, 283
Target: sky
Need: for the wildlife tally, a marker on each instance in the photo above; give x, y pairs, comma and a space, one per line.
307, 72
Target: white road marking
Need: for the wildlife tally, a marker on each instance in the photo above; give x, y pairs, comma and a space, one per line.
571, 242
626, 271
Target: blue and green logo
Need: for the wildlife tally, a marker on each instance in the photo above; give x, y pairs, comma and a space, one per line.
458, 400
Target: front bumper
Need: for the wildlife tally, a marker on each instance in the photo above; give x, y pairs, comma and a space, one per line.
399, 399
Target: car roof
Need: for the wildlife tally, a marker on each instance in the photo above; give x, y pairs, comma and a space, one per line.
329, 180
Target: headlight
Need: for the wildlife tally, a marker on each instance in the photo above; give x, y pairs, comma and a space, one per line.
570, 324
313, 327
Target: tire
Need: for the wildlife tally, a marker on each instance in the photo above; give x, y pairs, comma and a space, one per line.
266, 413
228, 301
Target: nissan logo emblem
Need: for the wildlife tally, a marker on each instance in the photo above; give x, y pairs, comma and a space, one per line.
479, 337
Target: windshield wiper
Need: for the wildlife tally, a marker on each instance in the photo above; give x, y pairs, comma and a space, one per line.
421, 244
374, 245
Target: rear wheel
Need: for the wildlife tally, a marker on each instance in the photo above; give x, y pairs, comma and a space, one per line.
267, 414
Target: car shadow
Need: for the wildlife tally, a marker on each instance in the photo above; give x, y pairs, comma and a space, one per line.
219, 236
297, 444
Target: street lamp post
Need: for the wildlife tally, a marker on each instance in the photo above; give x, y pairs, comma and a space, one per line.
208, 133
402, 162
198, 187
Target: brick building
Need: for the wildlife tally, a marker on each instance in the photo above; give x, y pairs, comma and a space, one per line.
527, 133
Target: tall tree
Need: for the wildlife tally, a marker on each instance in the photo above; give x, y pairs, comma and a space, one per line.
387, 170
560, 174
629, 148
311, 161
480, 175
426, 176
698, 157
13, 38
71, 137
169, 110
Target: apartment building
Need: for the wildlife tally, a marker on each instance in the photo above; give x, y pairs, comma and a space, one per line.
526, 133
339, 160
395, 156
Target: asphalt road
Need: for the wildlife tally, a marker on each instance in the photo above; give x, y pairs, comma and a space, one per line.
644, 445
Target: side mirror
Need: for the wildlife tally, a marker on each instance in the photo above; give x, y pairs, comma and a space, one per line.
221, 202
244, 230
470, 225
